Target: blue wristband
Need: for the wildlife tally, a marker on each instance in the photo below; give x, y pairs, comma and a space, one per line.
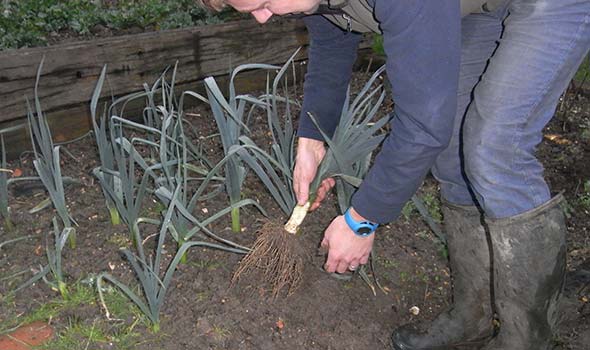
360, 228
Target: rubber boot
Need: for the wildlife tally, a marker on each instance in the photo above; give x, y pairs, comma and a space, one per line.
467, 324
529, 253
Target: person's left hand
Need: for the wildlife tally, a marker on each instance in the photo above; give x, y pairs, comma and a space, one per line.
346, 250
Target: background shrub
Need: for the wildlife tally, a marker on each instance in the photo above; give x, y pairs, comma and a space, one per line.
26, 23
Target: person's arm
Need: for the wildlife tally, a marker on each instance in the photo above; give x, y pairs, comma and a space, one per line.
332, 53
422, 43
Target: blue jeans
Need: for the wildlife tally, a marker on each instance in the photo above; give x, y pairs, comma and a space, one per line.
515, 64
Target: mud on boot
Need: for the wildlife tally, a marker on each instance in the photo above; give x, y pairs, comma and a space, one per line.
467, 324
529, 253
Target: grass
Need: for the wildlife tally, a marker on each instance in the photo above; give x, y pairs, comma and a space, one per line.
120, 240
220, 332
583, 73
431, 203
377, 45
202, 296
208, 265
407, 210
388, 264
82, 333
403, 276
584, 196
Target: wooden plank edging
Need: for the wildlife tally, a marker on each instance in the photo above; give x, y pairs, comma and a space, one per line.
71, 70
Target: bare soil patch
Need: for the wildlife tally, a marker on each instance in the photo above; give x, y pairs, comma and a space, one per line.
202, 309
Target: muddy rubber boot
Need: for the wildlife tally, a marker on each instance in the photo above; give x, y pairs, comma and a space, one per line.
467, 324
529, 255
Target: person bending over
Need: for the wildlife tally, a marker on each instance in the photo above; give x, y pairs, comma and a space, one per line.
474, 83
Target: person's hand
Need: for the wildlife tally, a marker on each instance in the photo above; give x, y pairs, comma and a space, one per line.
346, 250
310, 153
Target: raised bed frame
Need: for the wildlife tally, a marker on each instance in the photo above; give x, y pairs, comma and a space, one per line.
71, 69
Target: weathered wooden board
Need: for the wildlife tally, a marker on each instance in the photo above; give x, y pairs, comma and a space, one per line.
74, 121
70, 70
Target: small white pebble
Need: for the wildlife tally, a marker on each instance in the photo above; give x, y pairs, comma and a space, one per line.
414, 310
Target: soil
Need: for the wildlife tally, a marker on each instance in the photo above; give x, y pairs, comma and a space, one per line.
204, 311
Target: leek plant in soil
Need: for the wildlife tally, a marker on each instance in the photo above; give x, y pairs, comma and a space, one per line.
174, 174
154, 278
124, 186
275, 167
229, 117
54, 261
5, 181
276, 257
105, 149
47, 161
119, 155
4, 208
113, 149
173, 161
131, 188
168, 159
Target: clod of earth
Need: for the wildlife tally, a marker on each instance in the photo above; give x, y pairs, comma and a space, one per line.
26, 337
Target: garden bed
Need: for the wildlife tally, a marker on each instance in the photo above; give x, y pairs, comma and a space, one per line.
204, 311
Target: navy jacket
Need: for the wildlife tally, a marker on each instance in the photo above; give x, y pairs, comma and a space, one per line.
422, 43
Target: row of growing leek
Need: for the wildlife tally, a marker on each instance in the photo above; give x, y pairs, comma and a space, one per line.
162, 158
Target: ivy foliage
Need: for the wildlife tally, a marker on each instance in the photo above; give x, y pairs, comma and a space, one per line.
27, 23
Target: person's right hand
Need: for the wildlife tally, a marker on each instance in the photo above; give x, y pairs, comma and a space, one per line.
310, 153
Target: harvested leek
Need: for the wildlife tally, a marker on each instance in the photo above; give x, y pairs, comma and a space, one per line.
277, 257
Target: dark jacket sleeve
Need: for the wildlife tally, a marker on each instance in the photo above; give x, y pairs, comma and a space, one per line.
422, 43
332, 53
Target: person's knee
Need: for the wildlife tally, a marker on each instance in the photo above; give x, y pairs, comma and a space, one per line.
478, 159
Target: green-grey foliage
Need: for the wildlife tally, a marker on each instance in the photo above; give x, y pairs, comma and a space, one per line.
358, 134
47, 160
54, 261
229, 116
174, 169
153, 275
4, 209
274, 167
167, 161
349, 149
105, 148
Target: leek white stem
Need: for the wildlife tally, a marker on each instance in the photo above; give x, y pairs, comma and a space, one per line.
297, 216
